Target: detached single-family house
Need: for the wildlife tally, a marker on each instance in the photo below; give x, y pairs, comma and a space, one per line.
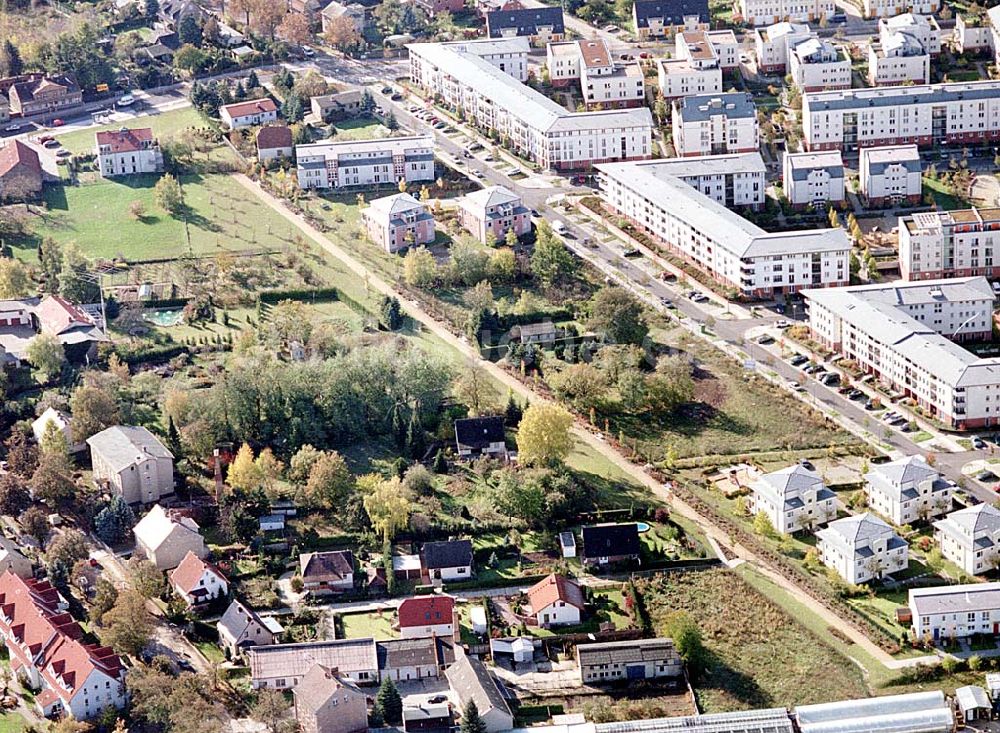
165, 539
427, 616
398, 221
794, 499
76, 329
543, 332
198, 582
555, 601
642, 659
126, 152
610, 544
249, 113
328, 107
241, 628
449, 560
20, 172
970, 538
471, 680
63, 423
480, 436
129, 461
908, 490
39, 94
862, 548
356, 13
327, 572
274, 141
327, 701
492, 212
12, 559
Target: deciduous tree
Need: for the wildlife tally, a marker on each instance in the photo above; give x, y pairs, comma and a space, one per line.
46, 355
128, 625
387, 507
543, 435
15, 279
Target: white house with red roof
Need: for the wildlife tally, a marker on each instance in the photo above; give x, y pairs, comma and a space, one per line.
556, 600
427, 616
45, 646
125, 152
247, 114
198, 582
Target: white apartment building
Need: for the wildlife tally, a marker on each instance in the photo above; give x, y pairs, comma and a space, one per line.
529, 122
993, 20
683, 78
891, 8
957, 243
899, 59
972, 33
661, 18
562, 60
902, 334
955, 611
710, 124
735, 181
816, 64
813, 179
862, 548
736, 252
907, 490
922, 27
890, 174
970, 538
331, 164
606, 84
510, 54
967, 112
794, 499
767, 12
726, 46
772, 45
126, 152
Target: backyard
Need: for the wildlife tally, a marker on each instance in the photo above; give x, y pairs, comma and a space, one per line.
374, 624
163, 125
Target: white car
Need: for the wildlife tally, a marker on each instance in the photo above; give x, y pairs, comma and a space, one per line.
126, 99
13, 128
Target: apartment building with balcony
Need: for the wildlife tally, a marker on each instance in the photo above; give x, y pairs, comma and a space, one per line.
331, 164
903, 54
397, 222
890, 175
772, 45
970, 538
892, 8
737, 181
713, 124
768, 12
813, 179
695, 70
816, 64
862, 548
961, 243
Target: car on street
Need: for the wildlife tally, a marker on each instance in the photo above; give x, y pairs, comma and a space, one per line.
63, 153
58, 122
13, 128
765, 339
395, 96
855, 395
308, 52
782, 323
978, 443
697, 297
466, 154
611, 29
830, 379
632, 253
51, 144
798, 360
668, 276
792, 384
986, 476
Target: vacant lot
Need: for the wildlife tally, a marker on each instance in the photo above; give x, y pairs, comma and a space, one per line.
218, 216
360, 129
163, 126
373, 624
759, 656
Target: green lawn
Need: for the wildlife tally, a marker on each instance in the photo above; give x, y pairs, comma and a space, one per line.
219, 216
361, 625
12, 723
162, 125
942, 194
360, 129
611, 607
210, 651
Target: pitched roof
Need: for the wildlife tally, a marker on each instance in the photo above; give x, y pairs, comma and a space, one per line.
702, 107
860, 529
490, 196
448, 554
555, 588
425, 651
525, 21
274, 136
335, 565
15, 154
609, 540
56, 315
237, 618
394, 205
975, 526
786, 486
158, 526
125, 140
27, 90
251, 107
321, 683
471, 680
122, 446
672, 11
426, 611
185, 576
479, 432
621, 652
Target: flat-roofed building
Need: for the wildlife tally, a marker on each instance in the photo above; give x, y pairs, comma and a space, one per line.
942, 244
767, 12
772, 45
816, 64
735, 181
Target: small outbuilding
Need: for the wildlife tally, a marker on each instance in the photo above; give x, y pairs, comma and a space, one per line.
923, 712
973, 703
567, 541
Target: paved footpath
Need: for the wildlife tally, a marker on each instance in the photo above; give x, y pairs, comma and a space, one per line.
415, 311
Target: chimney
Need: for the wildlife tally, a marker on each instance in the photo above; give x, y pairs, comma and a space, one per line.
218, 476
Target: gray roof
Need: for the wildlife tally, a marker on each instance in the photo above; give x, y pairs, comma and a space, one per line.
909, 713
770, 720
973, 526
321, 683
471, 680
848, 99
672, 12
525, 21
802, 164
859, 531
878, 159
423, 652
706, 165
448, 554
625, 652
124, 445
291, 661
237, 618
972, 697
787, 486
702, 107
955, 599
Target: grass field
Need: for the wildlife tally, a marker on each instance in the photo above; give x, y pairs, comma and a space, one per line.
162, 125
376, 625
943, 197
360, 129
218, 216
12, 723
759, 656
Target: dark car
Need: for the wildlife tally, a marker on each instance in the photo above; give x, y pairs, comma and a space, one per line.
807, 464
798, 360
856, 394
978, 443
870, 404
986, 476
765, 340
437, 699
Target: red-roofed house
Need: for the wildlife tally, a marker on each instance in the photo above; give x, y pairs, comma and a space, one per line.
245, 114
198, 582
76, 330
427, 616
20, 171
274, 141
556, 600
45, 646
124, 152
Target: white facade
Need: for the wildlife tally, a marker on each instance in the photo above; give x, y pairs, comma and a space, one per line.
127, 152
907, 490
714, 124
248, 114
772, 45
767, 12
955, 611
897, 332
972, 34
530, 123
62, 422
606, 84
946, 113
891, 8
816, 64
365, 162
899, 59
970, 538
682, 79
793, 499
132, 463
734, 181
731, 249
923, 28
957, 243
562, 59
862, 548
727, 48
890, 174
813, 178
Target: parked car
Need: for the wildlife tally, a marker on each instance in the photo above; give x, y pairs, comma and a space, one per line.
58, 122
798, 360
782, 323
765, 339
978, 444
986, 476
870, 404
632, 253
856, 394
699, 298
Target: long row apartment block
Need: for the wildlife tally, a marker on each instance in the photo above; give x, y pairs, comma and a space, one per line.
961, 243
735, 252
905, 333
330, 164
475, 79
849, 119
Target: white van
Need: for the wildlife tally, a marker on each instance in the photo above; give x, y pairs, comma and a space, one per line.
558, 227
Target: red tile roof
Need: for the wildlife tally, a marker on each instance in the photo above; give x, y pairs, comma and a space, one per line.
274, 136
57, 315
42, 636
426, 611
125, 140
17, 153
554, 588
185, 576
254, 106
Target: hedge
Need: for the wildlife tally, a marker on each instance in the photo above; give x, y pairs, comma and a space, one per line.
515, 319
150, 354
498, 583
166, 302
272, 297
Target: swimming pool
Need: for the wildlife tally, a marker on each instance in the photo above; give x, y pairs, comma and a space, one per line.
642, 527
164, 317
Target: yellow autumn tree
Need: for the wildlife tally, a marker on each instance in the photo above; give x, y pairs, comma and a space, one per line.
244, 473
543, 434
388, 507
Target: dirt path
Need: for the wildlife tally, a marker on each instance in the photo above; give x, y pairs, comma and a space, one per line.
415, 311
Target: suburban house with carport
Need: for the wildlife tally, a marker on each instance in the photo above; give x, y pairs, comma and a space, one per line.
449, 560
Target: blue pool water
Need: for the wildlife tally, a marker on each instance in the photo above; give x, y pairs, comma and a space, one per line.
642, 526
